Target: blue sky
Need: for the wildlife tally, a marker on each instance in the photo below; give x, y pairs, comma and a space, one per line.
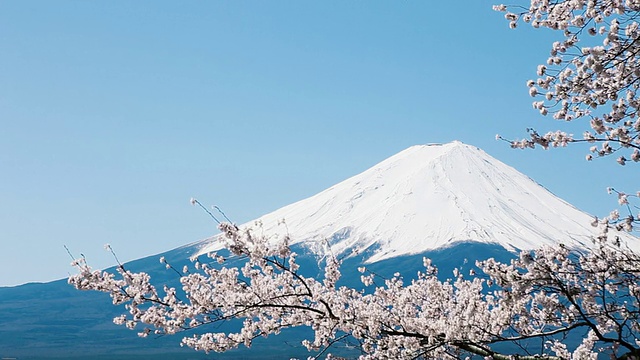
113, 114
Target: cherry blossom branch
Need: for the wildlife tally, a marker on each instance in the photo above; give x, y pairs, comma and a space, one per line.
545, 294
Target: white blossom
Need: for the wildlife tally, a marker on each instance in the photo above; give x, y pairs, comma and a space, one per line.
505, 302
603, 74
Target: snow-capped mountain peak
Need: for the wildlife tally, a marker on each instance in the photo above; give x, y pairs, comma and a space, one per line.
427, 197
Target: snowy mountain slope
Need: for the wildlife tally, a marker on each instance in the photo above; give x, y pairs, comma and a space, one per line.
428, 197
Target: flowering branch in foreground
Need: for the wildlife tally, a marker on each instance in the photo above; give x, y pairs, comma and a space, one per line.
592, 73
536, 301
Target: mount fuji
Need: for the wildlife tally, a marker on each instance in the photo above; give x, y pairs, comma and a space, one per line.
450, 202
425, 198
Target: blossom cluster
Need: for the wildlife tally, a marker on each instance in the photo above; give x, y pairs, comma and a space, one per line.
538, 298
592, 72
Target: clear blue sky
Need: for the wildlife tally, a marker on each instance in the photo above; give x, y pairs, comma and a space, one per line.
113, 114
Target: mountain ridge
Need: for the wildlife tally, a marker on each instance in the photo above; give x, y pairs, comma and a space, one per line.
424, 198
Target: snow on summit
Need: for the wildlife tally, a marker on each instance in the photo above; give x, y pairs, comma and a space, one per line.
427, 197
